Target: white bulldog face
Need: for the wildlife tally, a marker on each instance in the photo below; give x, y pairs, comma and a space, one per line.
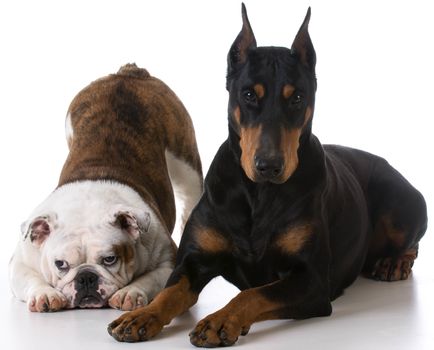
88, 263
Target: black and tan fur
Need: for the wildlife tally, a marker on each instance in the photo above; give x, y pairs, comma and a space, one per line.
287, 220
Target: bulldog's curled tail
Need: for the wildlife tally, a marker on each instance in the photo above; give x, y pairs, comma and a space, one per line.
131, 70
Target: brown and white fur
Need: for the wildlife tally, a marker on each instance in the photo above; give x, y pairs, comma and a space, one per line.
103, 237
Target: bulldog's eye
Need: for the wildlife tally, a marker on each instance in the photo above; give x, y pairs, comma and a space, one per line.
109, 260
62, 265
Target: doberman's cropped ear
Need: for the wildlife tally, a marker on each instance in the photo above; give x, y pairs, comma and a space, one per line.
242, 44
302, 46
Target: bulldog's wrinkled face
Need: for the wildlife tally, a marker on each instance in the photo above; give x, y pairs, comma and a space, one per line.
88, 263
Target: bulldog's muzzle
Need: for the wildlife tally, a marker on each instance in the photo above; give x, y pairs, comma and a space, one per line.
87, 286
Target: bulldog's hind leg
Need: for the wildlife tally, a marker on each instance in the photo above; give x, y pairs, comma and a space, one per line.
68, 129
187, 184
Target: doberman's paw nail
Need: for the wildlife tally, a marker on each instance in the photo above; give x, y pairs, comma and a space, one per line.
130, 339
245, 331
116, 336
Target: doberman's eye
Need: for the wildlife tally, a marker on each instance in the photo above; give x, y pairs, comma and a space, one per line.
109, 260
249, 96
296, 100
62, 265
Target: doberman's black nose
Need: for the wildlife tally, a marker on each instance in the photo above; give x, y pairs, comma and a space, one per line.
269, 168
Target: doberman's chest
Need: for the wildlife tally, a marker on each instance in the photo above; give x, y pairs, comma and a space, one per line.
274, 223
247, 271
263, 250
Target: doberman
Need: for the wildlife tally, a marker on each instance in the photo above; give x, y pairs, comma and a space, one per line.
287, 220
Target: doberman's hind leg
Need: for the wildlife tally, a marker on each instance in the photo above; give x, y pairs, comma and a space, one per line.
393, 250
394, 269
399, 218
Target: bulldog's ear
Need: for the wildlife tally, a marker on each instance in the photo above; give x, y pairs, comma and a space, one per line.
39, 229
131, 223
242, 44
302, 46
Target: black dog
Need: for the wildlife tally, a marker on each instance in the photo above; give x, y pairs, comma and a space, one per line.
288, 221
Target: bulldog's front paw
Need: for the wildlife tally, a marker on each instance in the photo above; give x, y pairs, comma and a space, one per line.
46, 299
128, 298
138, 325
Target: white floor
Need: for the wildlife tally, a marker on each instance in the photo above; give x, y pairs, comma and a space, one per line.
370, 315
375, 76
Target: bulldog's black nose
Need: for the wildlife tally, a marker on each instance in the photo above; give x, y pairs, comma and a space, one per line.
86, 280
269, 168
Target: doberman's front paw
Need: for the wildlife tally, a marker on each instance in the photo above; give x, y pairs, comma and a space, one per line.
218, 329
135, 326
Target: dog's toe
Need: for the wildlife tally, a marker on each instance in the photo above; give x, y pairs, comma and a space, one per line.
47, 300
128, 298
217, 330
135, 326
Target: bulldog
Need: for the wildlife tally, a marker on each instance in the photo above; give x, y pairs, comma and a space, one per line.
103, 237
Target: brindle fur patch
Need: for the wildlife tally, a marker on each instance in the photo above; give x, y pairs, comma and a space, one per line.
249, 143
122, 126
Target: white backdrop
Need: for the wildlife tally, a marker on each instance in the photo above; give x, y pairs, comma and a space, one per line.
375, 75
